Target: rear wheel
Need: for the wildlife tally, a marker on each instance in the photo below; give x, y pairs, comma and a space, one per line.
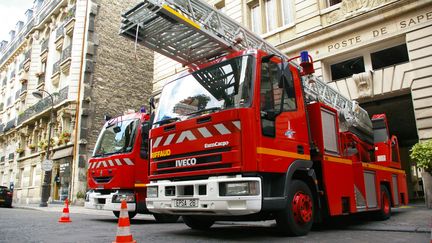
385, 211
131, 214
198, 223
166, 218
297, 218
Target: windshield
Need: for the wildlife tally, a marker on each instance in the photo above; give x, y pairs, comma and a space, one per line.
220, 86
116, 137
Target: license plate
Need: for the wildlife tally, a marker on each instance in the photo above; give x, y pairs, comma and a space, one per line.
186, 203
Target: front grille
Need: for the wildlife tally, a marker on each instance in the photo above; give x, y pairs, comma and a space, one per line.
103, 179
199, 160
187, 169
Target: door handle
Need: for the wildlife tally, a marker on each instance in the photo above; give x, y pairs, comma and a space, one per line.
300, 149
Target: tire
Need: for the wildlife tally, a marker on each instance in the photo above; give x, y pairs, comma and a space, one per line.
385, 211
166, 218
298, 216
198, 223
131, 214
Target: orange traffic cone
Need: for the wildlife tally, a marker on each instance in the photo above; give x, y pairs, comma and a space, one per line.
65, 215
123, 229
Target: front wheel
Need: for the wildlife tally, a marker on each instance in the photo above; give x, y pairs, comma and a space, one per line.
198, 223
297, 217
166, 218
131, 214
385, 211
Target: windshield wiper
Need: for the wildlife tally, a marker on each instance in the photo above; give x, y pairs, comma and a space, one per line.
166, 121
211, 109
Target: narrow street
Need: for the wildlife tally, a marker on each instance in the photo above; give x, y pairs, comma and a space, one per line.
29, 225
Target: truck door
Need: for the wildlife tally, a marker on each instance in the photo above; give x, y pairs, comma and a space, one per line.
283, 120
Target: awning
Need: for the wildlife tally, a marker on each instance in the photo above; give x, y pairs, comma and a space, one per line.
66, 152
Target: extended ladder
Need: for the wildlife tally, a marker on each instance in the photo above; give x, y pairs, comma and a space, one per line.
192, 32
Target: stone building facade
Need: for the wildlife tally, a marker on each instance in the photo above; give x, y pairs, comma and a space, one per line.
377, 52
70, 49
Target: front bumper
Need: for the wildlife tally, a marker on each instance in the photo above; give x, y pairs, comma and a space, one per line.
99, 201
209, 204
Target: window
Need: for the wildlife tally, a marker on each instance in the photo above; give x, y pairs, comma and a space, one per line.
32, 175
271, 18
333, 2
390, 56
255, 19
274, 97
287, 12
347, 68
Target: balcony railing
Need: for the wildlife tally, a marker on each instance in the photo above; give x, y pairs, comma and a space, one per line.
44, 45
43, 104
66, 53
59, 31
56, 67
9, 125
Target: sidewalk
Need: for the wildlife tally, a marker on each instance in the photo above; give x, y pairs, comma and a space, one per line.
413, 218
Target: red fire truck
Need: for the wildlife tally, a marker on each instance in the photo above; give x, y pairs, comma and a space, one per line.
247, 134
119, 168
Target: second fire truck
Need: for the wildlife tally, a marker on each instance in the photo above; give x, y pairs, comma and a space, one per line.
247, 134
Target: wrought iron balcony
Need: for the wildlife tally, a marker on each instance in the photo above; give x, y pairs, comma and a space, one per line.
43, 104
44, 45
59, 31
56, 67
9, 125
66, 53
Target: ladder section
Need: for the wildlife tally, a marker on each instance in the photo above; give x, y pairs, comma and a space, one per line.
192, 32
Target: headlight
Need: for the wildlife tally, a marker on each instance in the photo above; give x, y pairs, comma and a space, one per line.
152, 191
120, 197
247, 188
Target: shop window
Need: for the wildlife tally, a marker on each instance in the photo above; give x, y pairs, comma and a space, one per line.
271, 18
255, 19
333, 2
287, 12
390, 56
347, 68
